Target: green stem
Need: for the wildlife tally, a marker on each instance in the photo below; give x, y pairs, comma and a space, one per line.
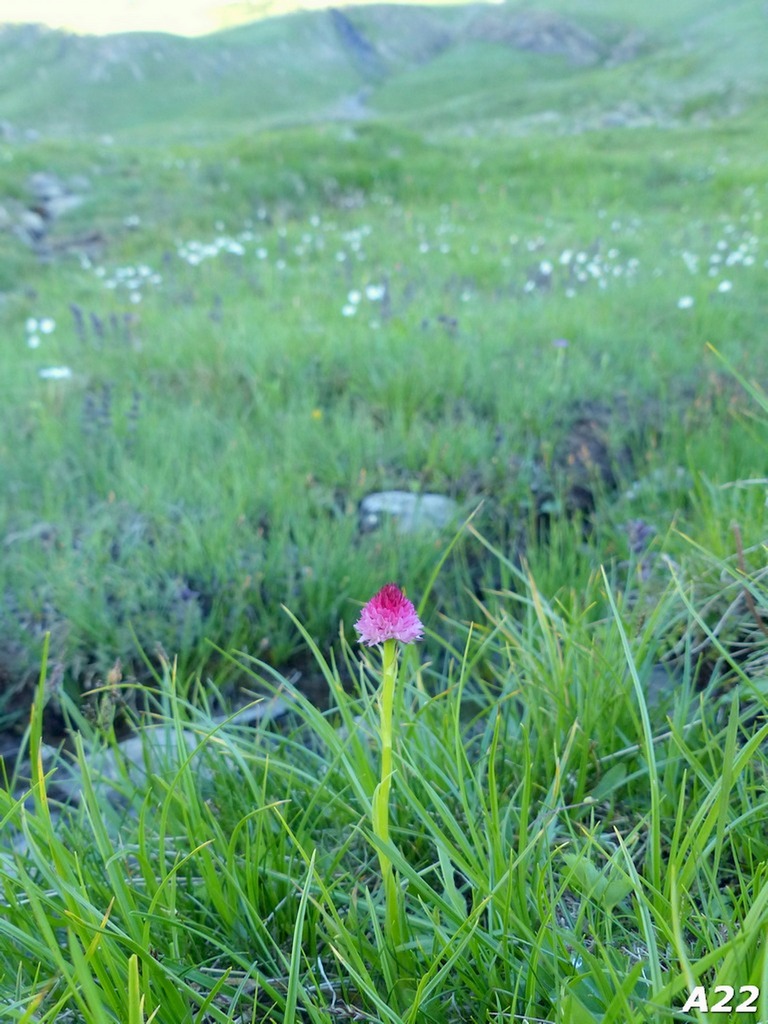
380, 809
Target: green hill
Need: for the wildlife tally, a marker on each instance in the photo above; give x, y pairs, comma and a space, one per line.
497, 67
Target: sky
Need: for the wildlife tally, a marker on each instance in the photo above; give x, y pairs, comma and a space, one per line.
183, 17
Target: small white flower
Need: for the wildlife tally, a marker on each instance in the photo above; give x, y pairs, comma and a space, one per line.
354, 297
375, 292
348, 310
261, 253
724, 286
55, 373
545, 268
31, 325
565, 257
135, 297
33, 341
685, 302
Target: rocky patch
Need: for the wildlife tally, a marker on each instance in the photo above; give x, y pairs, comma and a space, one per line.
50, 197
537, 32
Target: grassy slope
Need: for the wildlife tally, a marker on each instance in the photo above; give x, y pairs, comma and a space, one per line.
569, 853
259, 74
213, 351
241, 362
694, 57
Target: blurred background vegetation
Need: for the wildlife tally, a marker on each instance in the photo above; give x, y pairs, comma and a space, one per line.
249, 278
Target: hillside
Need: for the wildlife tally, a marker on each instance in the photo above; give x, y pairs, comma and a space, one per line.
499, 68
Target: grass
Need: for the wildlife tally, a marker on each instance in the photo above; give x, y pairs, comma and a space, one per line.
444, 68
563, 333
567, 851
255, 344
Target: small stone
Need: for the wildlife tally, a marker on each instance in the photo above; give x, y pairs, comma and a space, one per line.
58, 205
31, 227
411, 512
45, 186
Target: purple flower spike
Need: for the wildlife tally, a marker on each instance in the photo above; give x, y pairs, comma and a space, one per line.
389, 615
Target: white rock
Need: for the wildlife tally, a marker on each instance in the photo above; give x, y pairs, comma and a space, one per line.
411, 512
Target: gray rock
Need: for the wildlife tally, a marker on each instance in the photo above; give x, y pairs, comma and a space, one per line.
118, 772
411, 512
58, 205
30, 227
153, 751
156, 750
45, 186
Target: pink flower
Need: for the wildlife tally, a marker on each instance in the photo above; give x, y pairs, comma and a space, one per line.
389, 615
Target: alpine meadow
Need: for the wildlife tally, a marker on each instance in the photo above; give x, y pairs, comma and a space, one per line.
383, 488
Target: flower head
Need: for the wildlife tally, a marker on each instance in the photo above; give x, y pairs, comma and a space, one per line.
389, 615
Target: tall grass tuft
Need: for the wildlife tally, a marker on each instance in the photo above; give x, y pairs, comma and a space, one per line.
566, 847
